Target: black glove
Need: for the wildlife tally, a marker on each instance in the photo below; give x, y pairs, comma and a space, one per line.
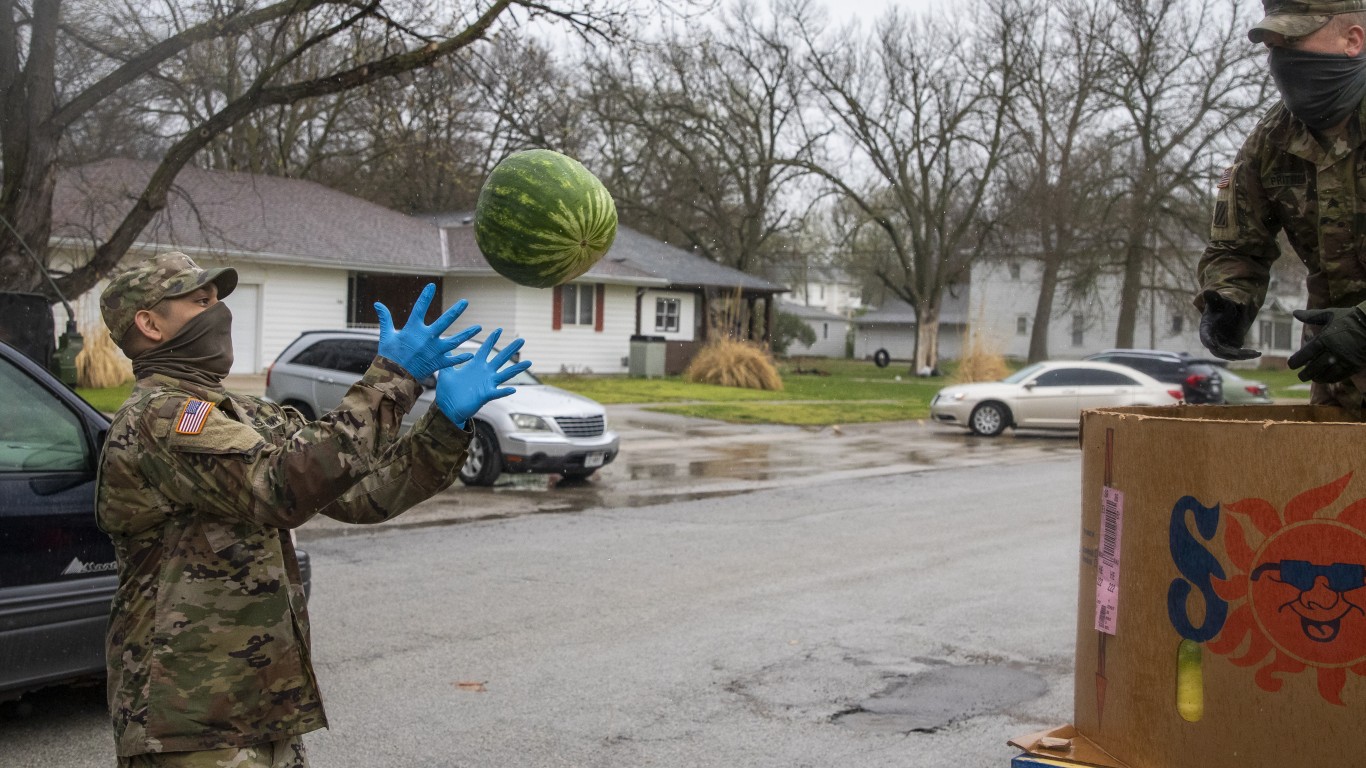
1339, 349
1223, 325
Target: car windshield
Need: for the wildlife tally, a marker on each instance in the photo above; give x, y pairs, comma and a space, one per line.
1023, 373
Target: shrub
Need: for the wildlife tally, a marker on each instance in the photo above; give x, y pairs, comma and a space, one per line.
789, 328
731, 363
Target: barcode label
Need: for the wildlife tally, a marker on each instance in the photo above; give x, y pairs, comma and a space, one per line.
1107, 561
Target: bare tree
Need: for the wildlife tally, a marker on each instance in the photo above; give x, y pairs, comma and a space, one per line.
1184, 80
1057, 188
699, 133
922, 108
60, 60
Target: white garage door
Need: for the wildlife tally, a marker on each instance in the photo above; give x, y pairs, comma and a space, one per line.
245, 303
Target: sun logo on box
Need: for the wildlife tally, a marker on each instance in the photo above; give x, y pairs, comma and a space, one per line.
1295, 597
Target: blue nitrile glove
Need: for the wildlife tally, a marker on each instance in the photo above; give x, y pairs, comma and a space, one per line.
1338, 351
461, 392
419, 348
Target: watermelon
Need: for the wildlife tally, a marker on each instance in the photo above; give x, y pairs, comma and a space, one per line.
543, 219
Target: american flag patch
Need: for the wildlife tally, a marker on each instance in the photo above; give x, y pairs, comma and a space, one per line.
193, 416
1226, 178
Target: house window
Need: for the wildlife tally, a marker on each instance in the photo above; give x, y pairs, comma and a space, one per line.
576, 308
1022, 325
1275, 334
1078, 330
825, 330
820, 289
666, 315
1178, 324
1014, 270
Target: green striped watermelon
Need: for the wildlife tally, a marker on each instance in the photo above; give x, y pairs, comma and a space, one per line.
543, 219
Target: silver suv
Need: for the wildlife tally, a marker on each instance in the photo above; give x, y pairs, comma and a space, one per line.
540, 428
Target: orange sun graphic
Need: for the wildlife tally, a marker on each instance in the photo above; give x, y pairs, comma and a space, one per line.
1298, 590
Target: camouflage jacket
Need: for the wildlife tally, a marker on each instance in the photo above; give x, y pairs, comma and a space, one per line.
208, 633
1283, 179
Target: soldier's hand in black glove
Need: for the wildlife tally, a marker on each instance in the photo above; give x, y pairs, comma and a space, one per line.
1339, 349
1223, 325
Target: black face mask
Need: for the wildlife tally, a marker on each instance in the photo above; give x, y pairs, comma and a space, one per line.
1321, 89
200, 353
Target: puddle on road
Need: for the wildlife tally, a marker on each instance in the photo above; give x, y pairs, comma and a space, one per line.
928, 701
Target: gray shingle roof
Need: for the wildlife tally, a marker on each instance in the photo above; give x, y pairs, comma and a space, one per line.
632, 255
267, 217
270, 218
808, 313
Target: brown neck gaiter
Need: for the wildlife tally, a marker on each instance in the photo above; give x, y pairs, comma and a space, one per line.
201, 353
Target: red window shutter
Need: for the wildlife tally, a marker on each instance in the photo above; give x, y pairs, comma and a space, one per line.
601, 291
556, 307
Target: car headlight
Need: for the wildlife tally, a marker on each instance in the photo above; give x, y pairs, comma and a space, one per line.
959, 395
530, 422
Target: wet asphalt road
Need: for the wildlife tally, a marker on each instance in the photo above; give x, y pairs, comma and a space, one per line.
721, 596
671, 458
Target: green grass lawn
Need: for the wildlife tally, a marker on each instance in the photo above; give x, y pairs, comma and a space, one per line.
816, 392
107, 400
1279, 381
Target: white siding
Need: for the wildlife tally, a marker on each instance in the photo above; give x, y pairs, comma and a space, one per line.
898, 340
830, 336
687, 314
493, 304
292, 300
998, 301
577, 348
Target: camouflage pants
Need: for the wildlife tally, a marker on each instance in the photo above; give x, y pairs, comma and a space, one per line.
285, 753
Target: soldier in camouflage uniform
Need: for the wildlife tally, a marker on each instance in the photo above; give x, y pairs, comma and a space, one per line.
1301, 171
208, 644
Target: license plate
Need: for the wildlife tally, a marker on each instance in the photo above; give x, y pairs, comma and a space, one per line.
593, 459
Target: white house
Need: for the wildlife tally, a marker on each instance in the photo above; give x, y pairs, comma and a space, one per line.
311, 257
832, 331
1003, 298
891, 327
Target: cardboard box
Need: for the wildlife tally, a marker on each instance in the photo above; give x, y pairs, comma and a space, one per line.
1240, 531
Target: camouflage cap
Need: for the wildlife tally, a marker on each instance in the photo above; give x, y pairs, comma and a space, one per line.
1297, 18
163, 276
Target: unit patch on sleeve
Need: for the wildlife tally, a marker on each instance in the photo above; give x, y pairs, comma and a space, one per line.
193, 416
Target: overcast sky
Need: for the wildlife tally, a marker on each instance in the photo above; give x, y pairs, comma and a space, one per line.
869, 10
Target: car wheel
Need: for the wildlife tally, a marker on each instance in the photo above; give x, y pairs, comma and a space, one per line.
882, 358
303, 408
989, 419
484, 463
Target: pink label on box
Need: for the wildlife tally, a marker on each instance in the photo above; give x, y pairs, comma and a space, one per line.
1107, 561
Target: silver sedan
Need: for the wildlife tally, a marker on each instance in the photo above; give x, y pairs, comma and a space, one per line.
1049, 395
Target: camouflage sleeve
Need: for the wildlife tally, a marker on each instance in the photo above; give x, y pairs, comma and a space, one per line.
230, 470
1242, 245
414, 469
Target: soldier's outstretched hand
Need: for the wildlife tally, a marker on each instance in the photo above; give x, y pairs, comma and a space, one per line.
1337, 351
418, 348
462, 391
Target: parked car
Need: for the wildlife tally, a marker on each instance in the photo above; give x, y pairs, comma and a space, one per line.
1238, 389
1200, 386
57, 568
540, 428
1048, 395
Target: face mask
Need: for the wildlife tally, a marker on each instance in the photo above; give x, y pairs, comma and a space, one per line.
1321, 89
201, 353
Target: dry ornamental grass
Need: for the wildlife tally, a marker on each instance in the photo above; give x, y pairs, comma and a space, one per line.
730, 363
100, 364
982, 361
